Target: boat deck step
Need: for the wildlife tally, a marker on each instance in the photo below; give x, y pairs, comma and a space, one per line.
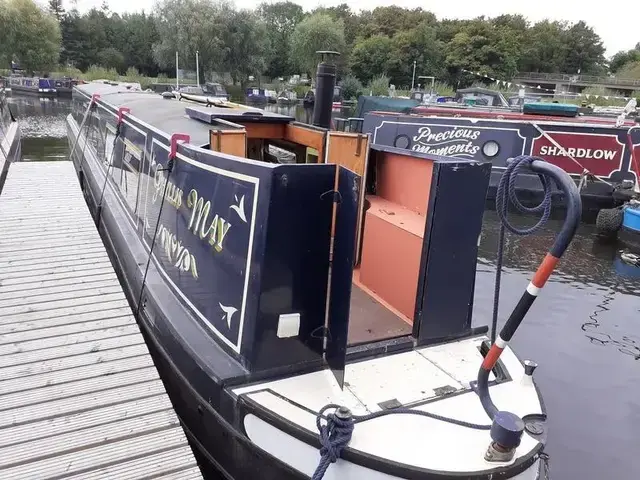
80, 396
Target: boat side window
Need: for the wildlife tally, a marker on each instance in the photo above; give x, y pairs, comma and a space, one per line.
126, 172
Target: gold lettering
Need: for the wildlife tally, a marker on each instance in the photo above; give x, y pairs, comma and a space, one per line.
217, 229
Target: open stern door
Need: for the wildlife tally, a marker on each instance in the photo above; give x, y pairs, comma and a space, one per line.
351, 151
346, 212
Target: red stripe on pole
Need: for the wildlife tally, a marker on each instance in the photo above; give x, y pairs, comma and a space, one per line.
492, 357
544, 270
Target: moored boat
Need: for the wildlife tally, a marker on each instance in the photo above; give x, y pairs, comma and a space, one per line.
43, 87
256, 95
331, 289
64, 86
595, 151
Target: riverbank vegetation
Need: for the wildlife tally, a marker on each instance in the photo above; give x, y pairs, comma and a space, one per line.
279, 39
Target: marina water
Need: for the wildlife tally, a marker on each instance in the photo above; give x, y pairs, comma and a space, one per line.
584, 331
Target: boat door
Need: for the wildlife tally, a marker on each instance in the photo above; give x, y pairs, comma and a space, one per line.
351, 151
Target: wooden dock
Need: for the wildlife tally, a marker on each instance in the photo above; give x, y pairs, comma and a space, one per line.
80, 397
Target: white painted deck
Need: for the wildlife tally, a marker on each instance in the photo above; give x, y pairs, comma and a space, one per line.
80, 397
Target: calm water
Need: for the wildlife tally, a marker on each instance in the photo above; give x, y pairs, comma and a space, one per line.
584, 330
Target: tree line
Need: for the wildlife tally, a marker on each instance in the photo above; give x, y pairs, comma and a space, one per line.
280, 39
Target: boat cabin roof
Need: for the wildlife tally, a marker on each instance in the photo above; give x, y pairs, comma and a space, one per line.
170, 115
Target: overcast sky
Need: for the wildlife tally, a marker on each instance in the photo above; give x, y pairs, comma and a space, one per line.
615, 23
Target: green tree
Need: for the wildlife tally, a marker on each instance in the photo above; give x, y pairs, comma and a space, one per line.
188, 26
480, 46
621, 59
544, 48
316, 32
22, 22
280, 19
56, 9
585, 51
371, 57
391, 20
416, 45
246, 45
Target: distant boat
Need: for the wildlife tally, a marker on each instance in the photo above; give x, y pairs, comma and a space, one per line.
287, 97
64, 86
256, 95
44, 87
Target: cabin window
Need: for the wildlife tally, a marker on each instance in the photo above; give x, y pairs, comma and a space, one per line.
126, 173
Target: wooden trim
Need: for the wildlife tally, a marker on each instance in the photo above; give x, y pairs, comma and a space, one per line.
304, 136
231, 142
265, 130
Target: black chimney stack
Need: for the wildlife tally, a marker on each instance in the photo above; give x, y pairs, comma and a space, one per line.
325, 84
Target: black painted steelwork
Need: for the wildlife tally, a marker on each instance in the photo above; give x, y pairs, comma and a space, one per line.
325, 85
274, 259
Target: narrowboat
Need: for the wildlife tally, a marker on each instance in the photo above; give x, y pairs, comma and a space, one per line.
311, 319
595, 151
5, 87
43, 87
255, 95
10, 146
64, 86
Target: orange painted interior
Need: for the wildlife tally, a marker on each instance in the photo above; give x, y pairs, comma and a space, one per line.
393, 233
233, 142
348, 150
391, 252
404, 180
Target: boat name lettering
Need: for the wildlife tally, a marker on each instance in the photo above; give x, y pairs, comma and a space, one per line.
173, 195
177, 254
453, 142
217, 229
597, 154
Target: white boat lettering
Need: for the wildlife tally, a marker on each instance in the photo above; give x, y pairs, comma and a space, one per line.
588, 153
456, 142
466, 149
425, 135
173, 194
218, 227
177, 254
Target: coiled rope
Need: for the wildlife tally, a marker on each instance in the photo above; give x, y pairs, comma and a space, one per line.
336, 433
506, 194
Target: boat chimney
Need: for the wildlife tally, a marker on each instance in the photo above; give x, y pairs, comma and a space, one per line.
325, 84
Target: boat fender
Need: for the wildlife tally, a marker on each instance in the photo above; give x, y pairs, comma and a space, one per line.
609, 221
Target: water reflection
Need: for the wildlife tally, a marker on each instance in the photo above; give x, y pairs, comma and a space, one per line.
584, 333
42, 125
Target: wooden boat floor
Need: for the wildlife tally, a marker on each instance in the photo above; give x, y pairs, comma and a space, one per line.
80, 397
370, 320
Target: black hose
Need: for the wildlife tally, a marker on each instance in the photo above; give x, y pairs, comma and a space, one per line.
565, 183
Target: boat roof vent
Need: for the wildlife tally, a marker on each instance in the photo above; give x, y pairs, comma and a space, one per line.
209, 114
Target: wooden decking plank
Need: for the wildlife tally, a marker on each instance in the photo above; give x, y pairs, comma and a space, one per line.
80, 396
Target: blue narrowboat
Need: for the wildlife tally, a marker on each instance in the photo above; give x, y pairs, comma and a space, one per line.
43, 87
256, 95
285, 303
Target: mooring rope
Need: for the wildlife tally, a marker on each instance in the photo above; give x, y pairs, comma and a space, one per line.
506, 194
168, 169
336, 433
